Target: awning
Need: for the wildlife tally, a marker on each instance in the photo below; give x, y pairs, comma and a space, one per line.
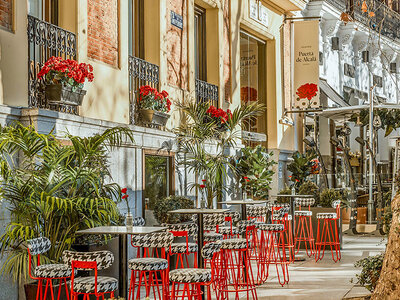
331, 93
343, 114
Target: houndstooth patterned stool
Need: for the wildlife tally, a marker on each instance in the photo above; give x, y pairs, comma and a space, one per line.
304, 201
193, 278
281, 215
330, 233
212, 237
304, 230
146, 271
303, 213
45, 274
85, 285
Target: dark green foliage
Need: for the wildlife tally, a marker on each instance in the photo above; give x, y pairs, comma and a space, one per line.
309, 188
390, 118
255, 163
163, 206
286, 191
53, 189
328, 196
301, 167
371, 267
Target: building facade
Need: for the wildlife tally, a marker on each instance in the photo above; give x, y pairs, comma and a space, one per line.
222, 51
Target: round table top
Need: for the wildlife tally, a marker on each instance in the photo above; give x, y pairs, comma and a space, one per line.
199, 211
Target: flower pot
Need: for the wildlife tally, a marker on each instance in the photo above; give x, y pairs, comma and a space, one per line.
64, 94
153, 117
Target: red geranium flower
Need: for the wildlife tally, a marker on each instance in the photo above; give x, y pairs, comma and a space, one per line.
124, 190
308, 90
124, 196
202, 186
203, 180
245, 177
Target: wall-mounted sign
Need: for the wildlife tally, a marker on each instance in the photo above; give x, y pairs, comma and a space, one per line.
176, 20
349, 70
258, 12
305, 58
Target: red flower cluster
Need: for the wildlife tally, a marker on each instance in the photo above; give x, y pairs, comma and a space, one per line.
151, 98
67, 68
308, 90
219, 113
124, 191
315, 167
247, 94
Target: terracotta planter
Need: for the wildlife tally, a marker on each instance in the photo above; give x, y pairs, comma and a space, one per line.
64, 94
345, 213
153, 117
362, 215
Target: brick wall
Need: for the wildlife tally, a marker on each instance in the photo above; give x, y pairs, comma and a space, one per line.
103, 31
6, 14
176, 40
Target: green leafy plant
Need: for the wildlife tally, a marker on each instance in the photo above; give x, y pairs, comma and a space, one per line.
328, 196
255, 164
371, 268
163, 206
301, 167
309, 188
285, 191
194, 133
54, 188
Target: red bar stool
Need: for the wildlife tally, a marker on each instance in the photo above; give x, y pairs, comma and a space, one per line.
272, 235
230, 231
193, 278
259, 215
235, 272
329, 236
49, 272
286, 220
90, 285
151, 271
183, 250
304, 229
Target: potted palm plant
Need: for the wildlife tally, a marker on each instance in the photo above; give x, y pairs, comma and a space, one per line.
64, 80
153, 106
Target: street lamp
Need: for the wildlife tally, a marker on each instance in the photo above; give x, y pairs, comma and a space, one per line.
309, 141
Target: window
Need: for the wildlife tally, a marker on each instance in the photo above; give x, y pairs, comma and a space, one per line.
200, 43
157, 179
136, 28
252, 77
46, 10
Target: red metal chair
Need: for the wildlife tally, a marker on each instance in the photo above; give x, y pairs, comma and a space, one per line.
95, 285
230, 231
329, 236
192, 278
286, 220
151, 270
46, 273
304, 229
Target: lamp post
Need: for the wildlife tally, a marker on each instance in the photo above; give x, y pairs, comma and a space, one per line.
371, 155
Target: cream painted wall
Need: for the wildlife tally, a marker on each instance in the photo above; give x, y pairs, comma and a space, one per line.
14, 59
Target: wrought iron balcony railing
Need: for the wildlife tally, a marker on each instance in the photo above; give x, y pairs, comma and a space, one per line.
385, 21
46, 40
207, 92
141, 73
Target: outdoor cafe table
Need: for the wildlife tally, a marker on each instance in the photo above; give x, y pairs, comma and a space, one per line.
122, 232
243, 204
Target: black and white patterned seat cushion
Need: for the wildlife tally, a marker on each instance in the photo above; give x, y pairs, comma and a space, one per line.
304, 201
280, 218
303, 213
270, 227
104, 259
53, 271
234, 244
153, 240
326, 215
210, 249
234, 215
213, 219
86, 284
274, 205
227, 230
257, 211
190, 275
212, 237
181, 248
148, 264
39, 245
244, 224
138, 221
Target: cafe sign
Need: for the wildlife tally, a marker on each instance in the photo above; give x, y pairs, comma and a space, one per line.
305, 61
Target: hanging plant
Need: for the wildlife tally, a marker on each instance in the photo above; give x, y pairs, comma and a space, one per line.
389, 119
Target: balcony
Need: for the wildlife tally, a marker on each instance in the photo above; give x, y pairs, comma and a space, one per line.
141, 73
207, 92
46, 40
385, 21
